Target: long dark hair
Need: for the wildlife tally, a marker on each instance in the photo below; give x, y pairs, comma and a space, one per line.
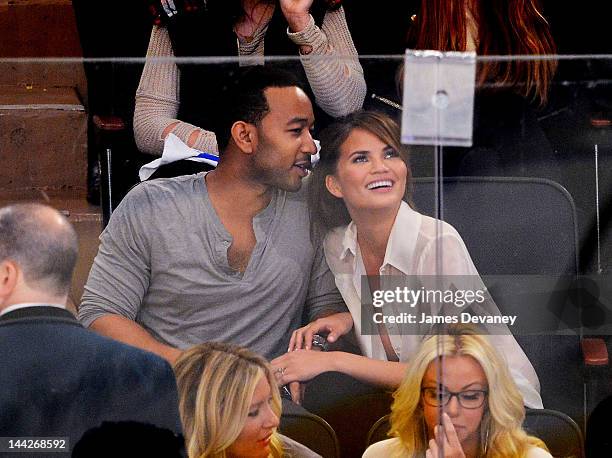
505, 27
326, 210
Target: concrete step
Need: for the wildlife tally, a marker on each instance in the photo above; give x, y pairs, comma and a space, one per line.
43, 139
37, 28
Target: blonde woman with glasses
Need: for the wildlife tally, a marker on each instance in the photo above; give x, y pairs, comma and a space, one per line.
230, 405
462, 377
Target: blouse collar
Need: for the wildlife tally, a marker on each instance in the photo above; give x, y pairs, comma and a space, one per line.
401, 245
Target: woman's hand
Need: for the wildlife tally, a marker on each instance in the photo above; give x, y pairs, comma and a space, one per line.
445, 439
300, 366
297, 13
335, 325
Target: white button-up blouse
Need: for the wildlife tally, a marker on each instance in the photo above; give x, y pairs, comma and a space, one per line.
416, 245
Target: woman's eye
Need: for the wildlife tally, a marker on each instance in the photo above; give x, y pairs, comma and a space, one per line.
360, 158
391, 153
254, 413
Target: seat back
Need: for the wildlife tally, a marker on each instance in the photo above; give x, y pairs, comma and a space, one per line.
519, 226
559, 432
379, 431
511, 226
312, 431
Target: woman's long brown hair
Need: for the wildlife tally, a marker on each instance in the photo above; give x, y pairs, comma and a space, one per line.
505, 27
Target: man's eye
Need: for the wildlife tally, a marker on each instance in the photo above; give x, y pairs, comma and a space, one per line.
296, 131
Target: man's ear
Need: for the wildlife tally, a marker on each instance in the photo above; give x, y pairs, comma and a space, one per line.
244, 135
333, 186
9, 274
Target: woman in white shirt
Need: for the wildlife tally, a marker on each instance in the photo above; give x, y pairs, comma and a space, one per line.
482, 410
358, 198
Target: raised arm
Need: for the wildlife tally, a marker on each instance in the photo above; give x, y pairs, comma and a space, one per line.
157, 102
331, 64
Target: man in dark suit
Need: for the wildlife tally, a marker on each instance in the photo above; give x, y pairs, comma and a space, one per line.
58, 379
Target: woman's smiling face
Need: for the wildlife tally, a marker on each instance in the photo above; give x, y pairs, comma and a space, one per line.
370, 175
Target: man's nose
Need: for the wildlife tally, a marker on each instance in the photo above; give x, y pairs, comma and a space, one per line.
310, 146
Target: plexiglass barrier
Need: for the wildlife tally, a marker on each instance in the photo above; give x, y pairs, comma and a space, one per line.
505, 224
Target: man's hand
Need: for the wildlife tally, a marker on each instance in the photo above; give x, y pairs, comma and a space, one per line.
335, 326
297, 13
446, 439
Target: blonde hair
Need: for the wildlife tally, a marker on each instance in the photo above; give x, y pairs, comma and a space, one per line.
216, 382
501, 429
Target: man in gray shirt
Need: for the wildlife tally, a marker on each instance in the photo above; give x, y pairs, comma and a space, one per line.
223, 256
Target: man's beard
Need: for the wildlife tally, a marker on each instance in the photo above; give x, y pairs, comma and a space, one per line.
261, 172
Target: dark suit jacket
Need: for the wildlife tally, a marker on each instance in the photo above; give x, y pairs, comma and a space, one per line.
60, 379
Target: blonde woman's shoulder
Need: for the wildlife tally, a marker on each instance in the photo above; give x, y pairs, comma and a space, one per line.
389, 448
293, 449
537, 452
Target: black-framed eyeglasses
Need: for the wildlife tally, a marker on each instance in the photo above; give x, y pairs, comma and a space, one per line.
468, 399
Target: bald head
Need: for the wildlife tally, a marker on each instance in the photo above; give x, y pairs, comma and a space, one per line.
42, 243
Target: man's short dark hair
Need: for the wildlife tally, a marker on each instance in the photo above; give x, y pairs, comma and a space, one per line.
46, 255
129, 438
247, 101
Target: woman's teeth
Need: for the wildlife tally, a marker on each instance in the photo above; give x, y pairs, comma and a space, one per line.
380, 184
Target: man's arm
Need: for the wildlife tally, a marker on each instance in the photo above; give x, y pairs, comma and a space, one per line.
127, 331
323, 297
120, 275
